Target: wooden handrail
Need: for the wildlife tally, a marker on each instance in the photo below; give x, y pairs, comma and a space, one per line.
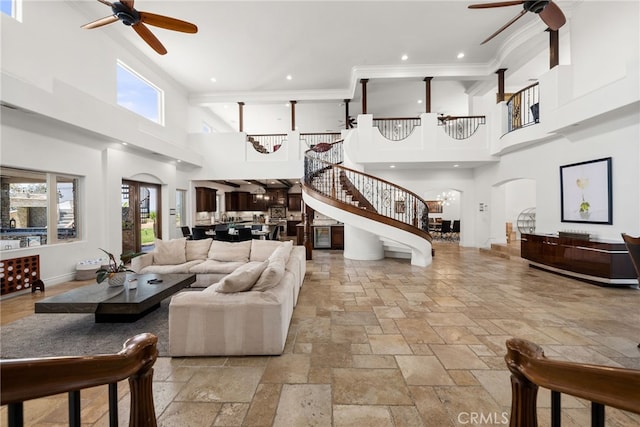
521, 91
26, 379
615, 387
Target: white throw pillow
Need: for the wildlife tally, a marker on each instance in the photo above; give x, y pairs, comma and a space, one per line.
230, 251
283, 252
271, 276
170, 252
261, 249
198, 249
242, 279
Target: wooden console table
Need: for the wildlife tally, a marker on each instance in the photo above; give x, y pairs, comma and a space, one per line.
605, 262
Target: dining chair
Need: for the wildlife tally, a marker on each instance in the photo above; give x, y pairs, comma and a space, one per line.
633, 246
445, 229
273, 235
186, 232
256, 226
222, 235
219, 227
455, 229
244, 234
198, 233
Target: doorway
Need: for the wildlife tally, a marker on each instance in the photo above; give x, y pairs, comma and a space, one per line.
140, 216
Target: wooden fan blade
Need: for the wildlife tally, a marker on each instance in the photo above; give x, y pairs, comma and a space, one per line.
100, 22
552, 16
505, 26
167, 22
499, 4
148, 37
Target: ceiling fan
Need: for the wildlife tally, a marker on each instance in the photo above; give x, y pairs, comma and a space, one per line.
548, 11
124, 11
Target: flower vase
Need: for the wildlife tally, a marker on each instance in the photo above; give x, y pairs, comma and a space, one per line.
117, 279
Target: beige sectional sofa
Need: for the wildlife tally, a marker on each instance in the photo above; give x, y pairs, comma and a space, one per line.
247, 306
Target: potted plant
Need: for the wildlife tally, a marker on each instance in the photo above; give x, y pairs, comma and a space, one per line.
116, 273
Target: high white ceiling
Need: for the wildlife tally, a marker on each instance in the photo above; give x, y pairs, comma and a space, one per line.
250, 47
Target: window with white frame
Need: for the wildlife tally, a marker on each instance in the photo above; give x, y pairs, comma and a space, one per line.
37, 208
181, 208
139, 95
12, 8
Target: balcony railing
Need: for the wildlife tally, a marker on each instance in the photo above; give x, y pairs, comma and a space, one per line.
396, 129
27, 379
461, 127
267, 143
523, 108
312, 139
601, 385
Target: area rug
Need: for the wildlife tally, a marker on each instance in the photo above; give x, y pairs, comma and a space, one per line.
60, 334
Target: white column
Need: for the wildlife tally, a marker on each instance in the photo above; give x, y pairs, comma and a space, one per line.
361, 245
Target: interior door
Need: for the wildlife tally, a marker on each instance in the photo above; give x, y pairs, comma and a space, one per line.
140, 216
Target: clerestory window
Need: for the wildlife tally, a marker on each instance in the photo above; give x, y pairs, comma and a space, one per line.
139, 95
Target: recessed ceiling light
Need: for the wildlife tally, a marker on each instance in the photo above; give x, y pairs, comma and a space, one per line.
455, 166
392, 166
461, 55
213, 79
289, 77
124, 143
179, 161
404, 57
419, 101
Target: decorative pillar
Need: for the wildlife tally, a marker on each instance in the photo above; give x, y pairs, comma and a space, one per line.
427, 94
554, 48
240, 116
500, 95
293, 114
363, 82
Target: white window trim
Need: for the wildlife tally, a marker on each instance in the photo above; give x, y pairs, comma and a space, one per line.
159, 91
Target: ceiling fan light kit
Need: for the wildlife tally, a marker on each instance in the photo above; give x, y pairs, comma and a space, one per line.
548, 11
125, 12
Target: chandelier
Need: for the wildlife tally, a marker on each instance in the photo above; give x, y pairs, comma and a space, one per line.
260, 192
446, 198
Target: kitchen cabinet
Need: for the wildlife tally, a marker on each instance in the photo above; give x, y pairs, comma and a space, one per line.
277, 197
237, 201
291, 227
206, 199
337, 237
295, 202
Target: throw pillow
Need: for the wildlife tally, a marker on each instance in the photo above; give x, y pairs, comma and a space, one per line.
283, 251
271, 276
261, 249
198, 249
230, 251
170, 252
243, 278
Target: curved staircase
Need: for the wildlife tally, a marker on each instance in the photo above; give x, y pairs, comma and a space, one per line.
365, 202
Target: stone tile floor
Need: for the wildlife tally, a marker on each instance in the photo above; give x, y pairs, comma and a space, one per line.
383, 343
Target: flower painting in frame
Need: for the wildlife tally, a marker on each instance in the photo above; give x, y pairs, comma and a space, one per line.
585, 192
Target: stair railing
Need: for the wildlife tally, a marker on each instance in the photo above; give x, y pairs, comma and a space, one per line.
601, 385
27, 379
392, 204
523, 108
312, 139
396, 129
267, 143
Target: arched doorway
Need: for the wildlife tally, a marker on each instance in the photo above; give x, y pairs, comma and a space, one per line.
140, 216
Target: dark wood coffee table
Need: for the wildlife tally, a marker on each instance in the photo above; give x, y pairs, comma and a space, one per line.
117, 304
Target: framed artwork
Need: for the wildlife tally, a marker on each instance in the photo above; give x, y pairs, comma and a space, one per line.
434, 206
278, 212
585, 192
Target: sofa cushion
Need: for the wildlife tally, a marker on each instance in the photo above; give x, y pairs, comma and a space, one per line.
183, 268
170, 252
262, 249
230, 251
271, 276
243, 278
211, 266
198, 249
282, 252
